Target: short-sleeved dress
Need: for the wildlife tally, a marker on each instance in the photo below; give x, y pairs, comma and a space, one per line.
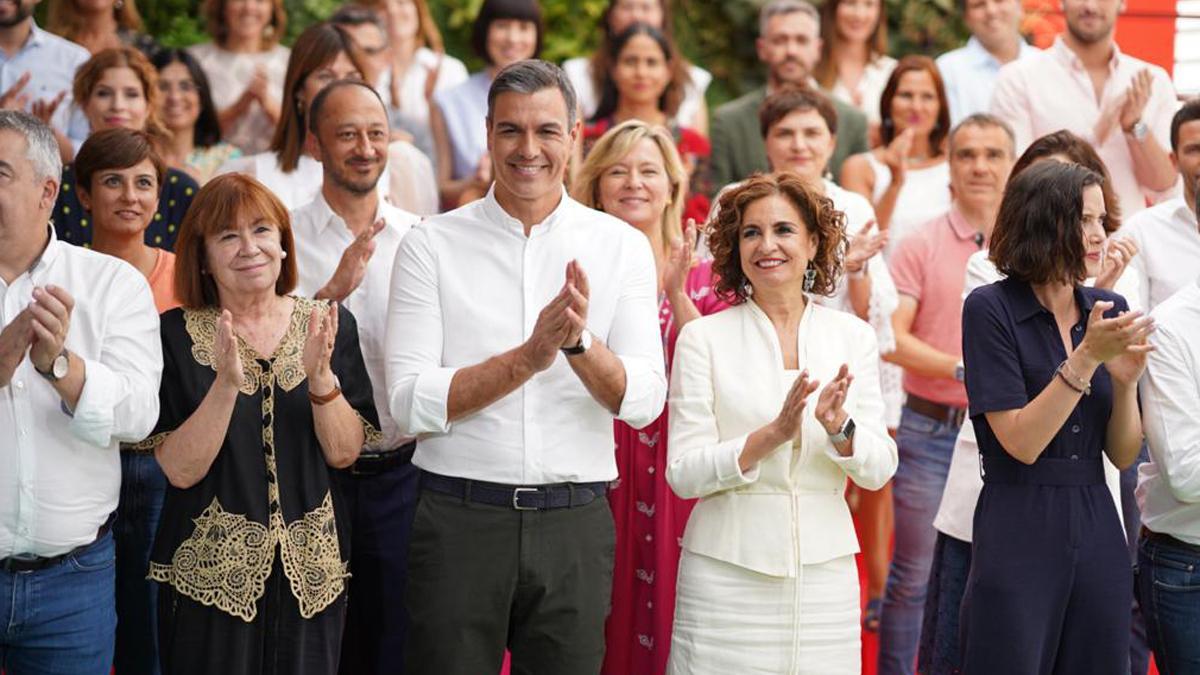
252, 559
1050, 584
73, 225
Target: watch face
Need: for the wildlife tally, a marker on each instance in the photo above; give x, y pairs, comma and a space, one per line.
60, 367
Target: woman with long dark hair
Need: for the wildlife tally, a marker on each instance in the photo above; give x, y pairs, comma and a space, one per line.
187, 110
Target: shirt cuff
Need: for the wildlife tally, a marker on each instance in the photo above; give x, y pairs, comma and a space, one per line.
851, 464
430, 397
645, 393
729, 470
94, 415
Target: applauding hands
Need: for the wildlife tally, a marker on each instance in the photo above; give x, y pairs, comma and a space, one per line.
561, 322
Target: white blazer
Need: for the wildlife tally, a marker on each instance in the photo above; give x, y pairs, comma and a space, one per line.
727, 381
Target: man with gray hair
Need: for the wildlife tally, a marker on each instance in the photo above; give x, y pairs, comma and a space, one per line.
510, 376
789, 45
80, 362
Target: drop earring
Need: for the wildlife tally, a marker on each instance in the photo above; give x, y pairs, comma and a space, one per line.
810, 278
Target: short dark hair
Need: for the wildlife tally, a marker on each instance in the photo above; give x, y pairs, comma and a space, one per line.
982, 120
1190, 112
358, 15
820, 217
791, 99
529, 77
207, 131
318, 103
115, 149
495, 10
920, 64
1074, 148
1038, 237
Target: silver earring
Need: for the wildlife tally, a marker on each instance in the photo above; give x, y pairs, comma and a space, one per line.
810, 278
119, 5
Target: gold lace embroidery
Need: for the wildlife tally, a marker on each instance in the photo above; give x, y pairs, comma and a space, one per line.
224, 564
371, 435
232, 576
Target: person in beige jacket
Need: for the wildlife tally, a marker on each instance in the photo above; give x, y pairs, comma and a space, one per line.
773, 403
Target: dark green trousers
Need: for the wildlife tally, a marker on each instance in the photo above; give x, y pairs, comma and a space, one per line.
482, 578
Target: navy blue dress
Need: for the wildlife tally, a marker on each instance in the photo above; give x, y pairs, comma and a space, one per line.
73, 225
1050, 586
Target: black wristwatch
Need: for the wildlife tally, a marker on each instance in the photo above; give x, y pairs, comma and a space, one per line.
585, 342
845, 433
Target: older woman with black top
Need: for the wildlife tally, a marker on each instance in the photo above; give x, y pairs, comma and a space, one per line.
267, 395
1051, 373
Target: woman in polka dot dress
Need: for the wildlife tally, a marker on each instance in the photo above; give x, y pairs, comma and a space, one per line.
118, 88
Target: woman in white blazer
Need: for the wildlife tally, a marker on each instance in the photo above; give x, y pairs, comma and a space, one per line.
767, 581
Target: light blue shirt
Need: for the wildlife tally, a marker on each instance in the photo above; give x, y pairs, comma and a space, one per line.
969, 74
464, 109
51, 62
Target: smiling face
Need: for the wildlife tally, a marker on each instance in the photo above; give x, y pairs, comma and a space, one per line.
642, 72
993, 22
530, 141
180, 100
800, 143
248, 19
117, 101
510, 40
122, 201
856, 20
775, 245
244, 260
352, 139
790, 46
1091, 21
13, 12
1187, 159
636, 188
25, 197
1092, 226
403, 20
915, 104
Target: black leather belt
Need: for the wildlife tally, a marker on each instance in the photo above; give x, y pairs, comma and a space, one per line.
1168, 540
519, 497
33, 563
375, 463
938, 411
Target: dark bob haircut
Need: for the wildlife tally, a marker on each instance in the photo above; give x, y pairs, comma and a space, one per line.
498, 10
817, 215
115, 149
207, 132
914, 63
1066, 144
788, 100
1038, 237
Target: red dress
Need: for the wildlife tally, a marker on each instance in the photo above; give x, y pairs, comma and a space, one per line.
649, 524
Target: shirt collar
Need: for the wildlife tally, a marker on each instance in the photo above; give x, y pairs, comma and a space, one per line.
1026, 305
982, 56
498, 215
958, 223
37, 36
49, 254
1063, 53
324, 216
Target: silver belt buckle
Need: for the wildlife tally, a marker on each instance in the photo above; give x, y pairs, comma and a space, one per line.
516, 502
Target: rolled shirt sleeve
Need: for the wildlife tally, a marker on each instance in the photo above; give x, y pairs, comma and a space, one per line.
634, 337
874, 460
418, 384
1170, 399
119, 401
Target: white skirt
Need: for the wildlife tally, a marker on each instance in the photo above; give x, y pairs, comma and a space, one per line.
729, 619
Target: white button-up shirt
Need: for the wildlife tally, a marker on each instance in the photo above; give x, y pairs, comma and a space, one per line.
61, 472
1168, 488
321, 237
1168, 241
51, 63
969, 74
469, 285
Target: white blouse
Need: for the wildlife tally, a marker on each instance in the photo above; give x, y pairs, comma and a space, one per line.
229, 73
870, 87
579, 72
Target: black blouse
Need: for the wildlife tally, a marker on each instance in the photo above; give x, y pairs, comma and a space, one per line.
73, 225
269, 487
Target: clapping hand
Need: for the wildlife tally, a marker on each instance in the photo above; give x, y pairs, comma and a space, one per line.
895, 155
318, 349
1116, 258
352, 268
227, 360
14, 342
830, 412
863, 246
14, 97
680, 259
51, 319
787, 424
1120, 343
561, 322
44, 109
1136, 97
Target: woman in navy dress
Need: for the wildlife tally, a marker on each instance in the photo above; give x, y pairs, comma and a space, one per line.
1051, 374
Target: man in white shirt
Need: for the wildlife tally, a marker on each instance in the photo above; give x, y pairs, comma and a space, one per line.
80, 362
1168, 492
346, 240
969, 72
1167, 234
512, 543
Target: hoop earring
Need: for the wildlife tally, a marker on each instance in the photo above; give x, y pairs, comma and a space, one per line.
810, 277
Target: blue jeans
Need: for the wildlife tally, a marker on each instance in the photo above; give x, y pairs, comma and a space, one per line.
1168, 589
59, 621
925, 446
1139, 647
143, 487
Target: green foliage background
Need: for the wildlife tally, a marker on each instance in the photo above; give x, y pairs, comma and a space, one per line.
719, 34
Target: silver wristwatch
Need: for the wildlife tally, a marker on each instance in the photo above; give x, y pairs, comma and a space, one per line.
59, 367
844, 433
1139, 130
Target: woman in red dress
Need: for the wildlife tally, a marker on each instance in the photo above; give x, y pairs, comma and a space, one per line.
634, 172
